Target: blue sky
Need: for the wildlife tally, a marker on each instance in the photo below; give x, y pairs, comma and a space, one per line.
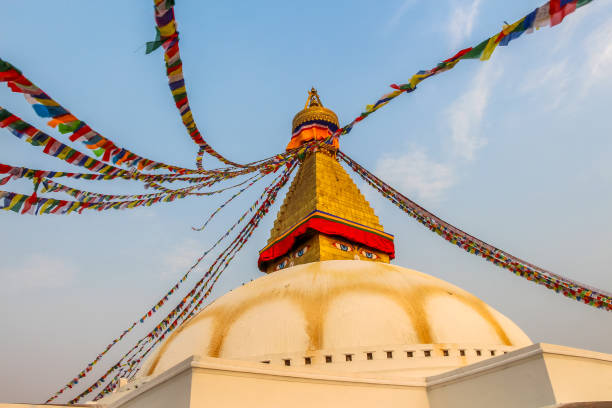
515, 151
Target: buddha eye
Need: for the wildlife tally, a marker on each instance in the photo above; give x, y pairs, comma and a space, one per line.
302, 251
369, 255
343, 247
281, 265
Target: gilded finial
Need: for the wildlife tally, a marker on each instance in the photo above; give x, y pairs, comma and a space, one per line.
313, 99
314, 111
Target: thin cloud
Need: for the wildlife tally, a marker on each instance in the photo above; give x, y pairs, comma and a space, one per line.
39, 271
461, 21
181, 258
415, 173
562, 75
551, 80
466, 114
599, 53
397, 16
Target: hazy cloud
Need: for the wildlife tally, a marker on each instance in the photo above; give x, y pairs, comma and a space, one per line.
599, 53
181, 257
39, 271
416, 173
399, 13
551, 80
461, 21
465, 115
562, 75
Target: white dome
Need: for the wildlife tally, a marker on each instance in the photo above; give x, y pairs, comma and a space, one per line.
336, 305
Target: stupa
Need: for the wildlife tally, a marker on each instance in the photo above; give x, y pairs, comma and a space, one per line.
333, 323
330, 298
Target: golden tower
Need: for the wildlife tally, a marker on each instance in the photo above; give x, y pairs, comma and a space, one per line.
324, 215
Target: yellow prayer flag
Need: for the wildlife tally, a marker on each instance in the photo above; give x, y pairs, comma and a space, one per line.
416, 78
493, 41
178, 71
491, 45
179, 91
89, 162
187, 116
168, 29
73, 207
46, 205
47, 102
509, 28
14, 201
62, 155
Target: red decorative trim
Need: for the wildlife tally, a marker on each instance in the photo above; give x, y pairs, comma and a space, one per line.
328, 226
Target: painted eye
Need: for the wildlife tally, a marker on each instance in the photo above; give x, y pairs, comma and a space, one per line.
369, 255
281, 265
302, 251
343, 247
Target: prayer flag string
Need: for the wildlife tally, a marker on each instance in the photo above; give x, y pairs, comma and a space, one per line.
87, 196
103, 148
551, 13
34, 205
55, 148
196, 294
168, 39
228, 201
15, 172
67, 123
569, 288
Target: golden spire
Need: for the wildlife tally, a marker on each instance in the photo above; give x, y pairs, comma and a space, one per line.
324, 215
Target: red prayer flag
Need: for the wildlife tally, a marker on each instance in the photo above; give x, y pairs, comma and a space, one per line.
9, 75
459, 54
8, 121
559, 9
79, 133
28, 205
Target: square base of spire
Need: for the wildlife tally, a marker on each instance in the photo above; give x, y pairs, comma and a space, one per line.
316, 246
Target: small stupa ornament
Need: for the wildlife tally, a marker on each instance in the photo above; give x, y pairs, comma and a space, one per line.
314, 122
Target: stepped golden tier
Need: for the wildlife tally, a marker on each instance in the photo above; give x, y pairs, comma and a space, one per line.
333, 323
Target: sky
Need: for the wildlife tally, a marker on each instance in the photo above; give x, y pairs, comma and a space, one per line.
515, 151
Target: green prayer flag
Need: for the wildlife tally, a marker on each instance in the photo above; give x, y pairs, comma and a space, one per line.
153, 45
19, 125
18, 204
69, 127
476, 52
7, 66
179, 97
4, 114
51, 207
70, 154
174, 64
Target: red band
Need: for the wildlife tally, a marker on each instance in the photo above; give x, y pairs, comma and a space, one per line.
329, 227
